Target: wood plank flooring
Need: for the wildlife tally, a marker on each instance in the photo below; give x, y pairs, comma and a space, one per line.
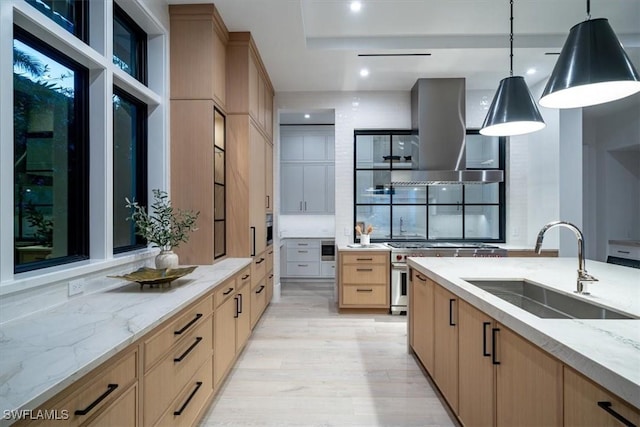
307, 365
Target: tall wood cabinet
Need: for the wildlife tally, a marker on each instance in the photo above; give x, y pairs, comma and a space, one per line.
249, 151
198, 86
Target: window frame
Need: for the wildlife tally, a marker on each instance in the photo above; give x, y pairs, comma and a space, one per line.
128, 23
78, 201
141, 174
80, 18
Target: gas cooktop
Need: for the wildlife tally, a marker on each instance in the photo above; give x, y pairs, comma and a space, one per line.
439, 245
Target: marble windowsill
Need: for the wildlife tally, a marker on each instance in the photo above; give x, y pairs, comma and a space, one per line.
44, 353
607, 351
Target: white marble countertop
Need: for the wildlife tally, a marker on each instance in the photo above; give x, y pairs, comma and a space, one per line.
46, 352
357, 247
607, 351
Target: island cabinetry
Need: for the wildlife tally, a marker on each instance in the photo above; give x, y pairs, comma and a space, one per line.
224, 330
258, 287
422, 330
588, 405
107, 393
445, 320
476, 395
364, 280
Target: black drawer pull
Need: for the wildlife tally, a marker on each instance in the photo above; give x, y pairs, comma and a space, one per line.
260, 261
186, 402
484, 339
623, 252
271, 276
228, 291
191, 347
260, 290
110, 389
240, 297
421, 278
270, 252
245, 277
607, 407
235, 316
364, 259
364, 290
364, 269
188, 325
451, 322
494, 340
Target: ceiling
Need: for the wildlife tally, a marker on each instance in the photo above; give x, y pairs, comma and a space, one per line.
314, 45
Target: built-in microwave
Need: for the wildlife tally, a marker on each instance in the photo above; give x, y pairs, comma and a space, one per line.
269, 229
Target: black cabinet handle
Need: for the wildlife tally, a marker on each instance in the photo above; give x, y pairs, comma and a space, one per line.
419, 277
607, 407
235, 316
260, 261
494, 338
364, 290
305, 206
186, 402
451, 322
188, 325
364, 269
246, 276
260, 290
110, 389
623, 252
267, 200
187, 351
228, 291
253, 241
240, 297
271, 276
484, 339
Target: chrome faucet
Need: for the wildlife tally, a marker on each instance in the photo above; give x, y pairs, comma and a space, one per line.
583, 276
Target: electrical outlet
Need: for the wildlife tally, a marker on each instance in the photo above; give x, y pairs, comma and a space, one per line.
76, 287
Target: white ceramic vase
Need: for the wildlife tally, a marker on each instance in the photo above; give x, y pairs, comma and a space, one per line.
167, 259
365, 239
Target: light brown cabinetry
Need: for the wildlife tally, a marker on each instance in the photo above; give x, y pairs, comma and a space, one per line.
268, 158
445, 344
364, 280
421, 307
588, 405
224, 330
198, 53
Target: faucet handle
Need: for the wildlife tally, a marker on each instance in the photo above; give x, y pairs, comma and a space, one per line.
583, 276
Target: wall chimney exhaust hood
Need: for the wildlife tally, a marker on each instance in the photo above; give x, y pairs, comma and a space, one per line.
438, 117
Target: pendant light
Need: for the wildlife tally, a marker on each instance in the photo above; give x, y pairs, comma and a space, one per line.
513, 110
592, 68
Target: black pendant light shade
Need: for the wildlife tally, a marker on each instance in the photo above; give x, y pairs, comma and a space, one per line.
592, 68
513, 110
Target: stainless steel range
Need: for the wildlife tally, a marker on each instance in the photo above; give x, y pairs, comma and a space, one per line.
400, 251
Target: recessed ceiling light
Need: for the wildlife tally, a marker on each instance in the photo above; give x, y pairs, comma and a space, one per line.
531, 71
364, 72
356, 6
307, 116
355, 103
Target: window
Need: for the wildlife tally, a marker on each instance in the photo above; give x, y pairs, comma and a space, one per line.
435, 212
51, 202
219, 192
72, 15
129, 45
129, 167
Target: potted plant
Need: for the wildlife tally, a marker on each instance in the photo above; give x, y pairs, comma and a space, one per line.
163, 226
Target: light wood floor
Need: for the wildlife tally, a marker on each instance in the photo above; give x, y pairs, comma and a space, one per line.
307, 365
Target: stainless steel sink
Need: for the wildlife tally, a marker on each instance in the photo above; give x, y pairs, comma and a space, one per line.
544, 302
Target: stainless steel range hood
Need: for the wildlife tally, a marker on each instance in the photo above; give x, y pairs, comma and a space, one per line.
438, 117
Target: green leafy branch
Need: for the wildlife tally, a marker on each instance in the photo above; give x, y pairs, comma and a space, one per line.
164, 227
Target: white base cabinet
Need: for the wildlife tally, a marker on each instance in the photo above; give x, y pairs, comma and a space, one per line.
302, 258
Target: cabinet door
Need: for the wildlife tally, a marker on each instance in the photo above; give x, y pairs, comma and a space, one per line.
254, 75
292, 188
268, 158
421, 318
314, 147
257, 197
528, 383
446, 344
243, 316
315, 189
476, 369
583, 400
123, 412
224, 339
331, 189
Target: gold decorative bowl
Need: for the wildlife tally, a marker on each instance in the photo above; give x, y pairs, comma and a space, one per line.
153, 276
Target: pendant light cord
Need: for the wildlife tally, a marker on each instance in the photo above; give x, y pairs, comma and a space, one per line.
588, 9
511, 42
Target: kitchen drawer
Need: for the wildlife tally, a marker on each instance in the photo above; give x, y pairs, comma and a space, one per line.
365, 295
365, 274
245, 276
190, 400
105, 388
303, 268
328, 269
123, 411
623, 251
227, 289
258, 269
303, 254
160, 343
269, 256
365, 258
163, 383
303, 243
258, 301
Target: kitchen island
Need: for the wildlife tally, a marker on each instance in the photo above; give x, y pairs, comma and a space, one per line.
606, 351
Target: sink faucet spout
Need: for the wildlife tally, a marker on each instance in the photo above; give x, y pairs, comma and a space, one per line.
583, 276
